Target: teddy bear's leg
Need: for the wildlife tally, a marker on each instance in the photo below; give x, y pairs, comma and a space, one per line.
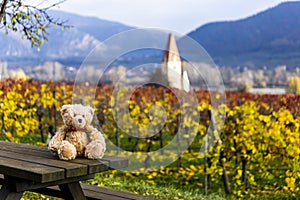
56, 140
66, 151
95, 149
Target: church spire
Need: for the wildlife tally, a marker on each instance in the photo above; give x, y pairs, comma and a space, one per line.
172, 66
171, 53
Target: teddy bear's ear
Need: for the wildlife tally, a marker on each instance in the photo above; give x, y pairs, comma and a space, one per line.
65, 109
91, 110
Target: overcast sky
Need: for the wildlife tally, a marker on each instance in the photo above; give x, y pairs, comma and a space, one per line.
181, 16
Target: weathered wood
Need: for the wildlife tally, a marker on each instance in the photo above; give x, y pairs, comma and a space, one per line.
116, 162
7, 192
92, 192
23, 146
33, 168
72, 191
30, 150
94, 166
24, 185
71, 169
30, 171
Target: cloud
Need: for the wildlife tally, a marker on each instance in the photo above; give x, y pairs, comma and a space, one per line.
177, 15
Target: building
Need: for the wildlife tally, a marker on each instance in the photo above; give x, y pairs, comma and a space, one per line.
172, 66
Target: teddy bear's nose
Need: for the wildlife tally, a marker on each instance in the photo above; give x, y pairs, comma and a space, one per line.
79, 120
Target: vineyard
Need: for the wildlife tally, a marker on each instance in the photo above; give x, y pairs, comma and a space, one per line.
256, 146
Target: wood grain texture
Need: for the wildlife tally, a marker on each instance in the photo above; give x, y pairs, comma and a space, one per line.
33, 168
71, 169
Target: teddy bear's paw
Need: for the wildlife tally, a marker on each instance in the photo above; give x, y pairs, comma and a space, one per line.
95, 150
52, 148
53, 145
66, 151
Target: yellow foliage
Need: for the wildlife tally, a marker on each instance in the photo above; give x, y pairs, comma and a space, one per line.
293, 85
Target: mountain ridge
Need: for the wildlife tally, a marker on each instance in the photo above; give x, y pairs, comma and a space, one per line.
271, 34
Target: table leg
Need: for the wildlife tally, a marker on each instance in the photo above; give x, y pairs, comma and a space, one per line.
7, 193
72, 191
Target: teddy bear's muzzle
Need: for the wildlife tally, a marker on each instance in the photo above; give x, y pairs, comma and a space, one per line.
79, 122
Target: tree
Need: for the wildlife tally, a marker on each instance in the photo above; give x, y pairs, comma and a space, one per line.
30, 20
245, 86
293, 85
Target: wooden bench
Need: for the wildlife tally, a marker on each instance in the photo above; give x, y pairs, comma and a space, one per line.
32, 168
92, 192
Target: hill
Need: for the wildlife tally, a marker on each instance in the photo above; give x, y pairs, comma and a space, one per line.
68, 46
269, 38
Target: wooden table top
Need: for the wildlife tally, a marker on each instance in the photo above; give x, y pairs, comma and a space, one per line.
38, 164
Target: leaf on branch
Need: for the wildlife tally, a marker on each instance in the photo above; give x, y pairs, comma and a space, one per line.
30, 20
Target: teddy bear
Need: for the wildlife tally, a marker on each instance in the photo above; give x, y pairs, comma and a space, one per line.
77, 137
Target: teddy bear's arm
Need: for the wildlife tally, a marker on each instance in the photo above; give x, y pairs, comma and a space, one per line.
96, 148
57, 139
94, 134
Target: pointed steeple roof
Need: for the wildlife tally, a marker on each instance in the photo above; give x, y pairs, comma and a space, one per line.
171, 51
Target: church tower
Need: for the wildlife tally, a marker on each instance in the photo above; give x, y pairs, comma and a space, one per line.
172, 66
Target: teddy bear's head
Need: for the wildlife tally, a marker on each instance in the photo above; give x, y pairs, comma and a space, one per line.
77, 115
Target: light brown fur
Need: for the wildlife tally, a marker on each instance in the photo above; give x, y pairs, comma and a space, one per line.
77, 137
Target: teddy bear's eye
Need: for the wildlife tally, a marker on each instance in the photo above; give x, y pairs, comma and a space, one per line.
83, 116
74, 115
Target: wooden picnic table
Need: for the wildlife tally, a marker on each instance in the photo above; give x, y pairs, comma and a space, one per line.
28, 167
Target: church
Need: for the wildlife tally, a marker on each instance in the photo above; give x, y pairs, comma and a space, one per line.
172, 67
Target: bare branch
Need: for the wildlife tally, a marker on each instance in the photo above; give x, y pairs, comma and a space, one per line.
31, 21
2, 11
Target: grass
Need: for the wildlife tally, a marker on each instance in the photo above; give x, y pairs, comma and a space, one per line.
146, 187
138, 186
35, 196
125, 182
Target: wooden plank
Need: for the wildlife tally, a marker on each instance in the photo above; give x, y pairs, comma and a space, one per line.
72, 191
93, 192
30, 171
90, 195
93, 195
116, 162
17, 147
24, 185
7, 193
94, 166
23, 146
71, 169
